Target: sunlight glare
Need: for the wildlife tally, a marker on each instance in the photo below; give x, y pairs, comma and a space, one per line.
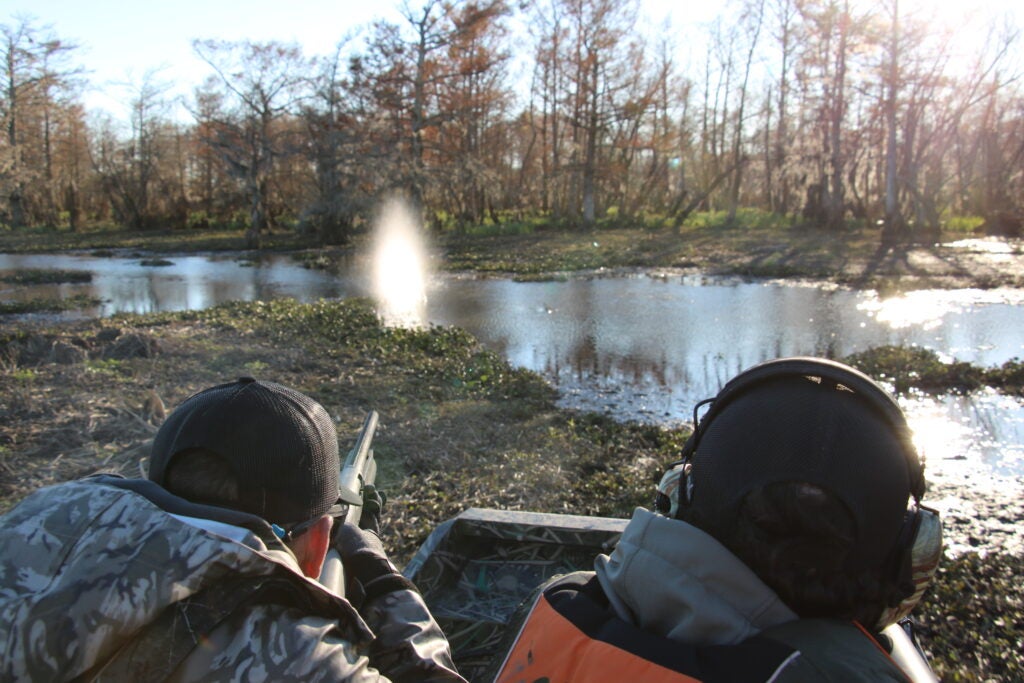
400, 266
925, 309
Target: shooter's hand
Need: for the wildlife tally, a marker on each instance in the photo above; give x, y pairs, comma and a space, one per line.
368, 570
373, 505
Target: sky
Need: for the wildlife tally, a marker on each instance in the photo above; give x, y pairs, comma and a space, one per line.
120, 40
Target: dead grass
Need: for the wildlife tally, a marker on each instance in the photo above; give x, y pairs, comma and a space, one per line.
458, 426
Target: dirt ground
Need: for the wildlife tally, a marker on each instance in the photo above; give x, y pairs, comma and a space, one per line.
969, 263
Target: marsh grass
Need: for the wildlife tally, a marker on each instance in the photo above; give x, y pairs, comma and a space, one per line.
757, 247
41, 276
915, 368
756, 244
112, 240
49, 305
972, 619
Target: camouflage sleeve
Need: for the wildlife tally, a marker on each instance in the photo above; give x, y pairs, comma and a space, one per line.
409, 645
275, 643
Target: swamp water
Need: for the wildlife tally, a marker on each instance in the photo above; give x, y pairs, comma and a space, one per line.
643, 347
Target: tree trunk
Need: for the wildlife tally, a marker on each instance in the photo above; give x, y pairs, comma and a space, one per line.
836, 199
894, 226
590, 159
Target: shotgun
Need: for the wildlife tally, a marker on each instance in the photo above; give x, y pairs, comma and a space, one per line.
358, 470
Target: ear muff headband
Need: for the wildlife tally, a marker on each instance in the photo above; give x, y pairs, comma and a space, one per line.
835, 373
917, 552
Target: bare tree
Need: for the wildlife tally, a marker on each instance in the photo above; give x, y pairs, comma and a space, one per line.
426, 78
469, 147
830, 31
751, 21
34, 69
339, 130
129, 167
777, 171
549, 33
588, 86
262, 84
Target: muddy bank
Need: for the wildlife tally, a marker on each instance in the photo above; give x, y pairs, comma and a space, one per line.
978, 520
962, 263
853, 258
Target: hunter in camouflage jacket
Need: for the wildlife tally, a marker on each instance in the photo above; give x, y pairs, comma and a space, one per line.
112, 579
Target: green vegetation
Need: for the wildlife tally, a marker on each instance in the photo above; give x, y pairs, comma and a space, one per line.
972, 619
461, 427
965, 225
109, 367
31, 276
72, 303
742, 249
756, 244
111, 240
913, 368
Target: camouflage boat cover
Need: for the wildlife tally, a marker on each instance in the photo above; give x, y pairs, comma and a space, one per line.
475, 569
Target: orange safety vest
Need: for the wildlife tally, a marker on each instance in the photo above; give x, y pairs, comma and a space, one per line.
570, 635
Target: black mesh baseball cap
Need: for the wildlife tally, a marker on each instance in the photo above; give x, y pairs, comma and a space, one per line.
280, 444
803, 428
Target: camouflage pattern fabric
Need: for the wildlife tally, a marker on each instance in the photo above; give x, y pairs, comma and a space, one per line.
85, 566
476, 569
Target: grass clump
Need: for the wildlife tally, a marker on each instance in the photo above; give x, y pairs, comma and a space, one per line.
1008, 378
972, 619
964, 225
44, 276
48, 305
914, 368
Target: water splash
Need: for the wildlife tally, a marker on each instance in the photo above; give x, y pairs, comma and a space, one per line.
400, 266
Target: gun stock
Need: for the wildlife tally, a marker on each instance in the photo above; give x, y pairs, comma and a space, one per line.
358, 470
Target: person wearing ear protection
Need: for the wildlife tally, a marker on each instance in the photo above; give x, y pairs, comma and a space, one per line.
789, 534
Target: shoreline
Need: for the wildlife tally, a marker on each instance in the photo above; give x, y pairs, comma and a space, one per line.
852, 257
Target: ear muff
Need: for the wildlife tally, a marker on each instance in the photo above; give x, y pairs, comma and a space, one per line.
918, 566
915, 556
666, 501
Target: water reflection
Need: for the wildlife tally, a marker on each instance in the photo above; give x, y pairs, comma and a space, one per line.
125, 285
649, 348
956, 433
680, 339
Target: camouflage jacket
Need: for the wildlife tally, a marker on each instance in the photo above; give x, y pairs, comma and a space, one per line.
107, 569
